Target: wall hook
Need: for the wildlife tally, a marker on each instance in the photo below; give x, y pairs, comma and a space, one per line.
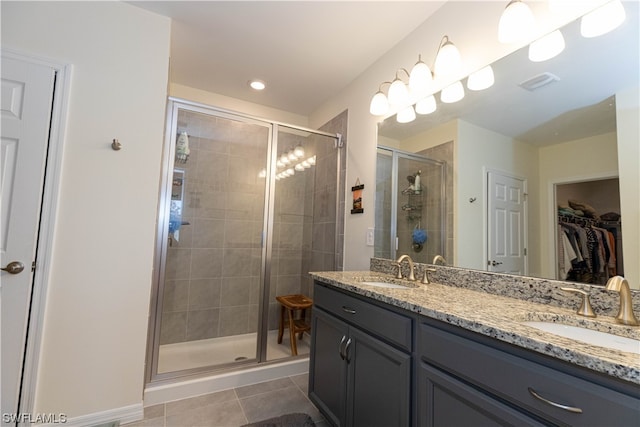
116, 145
472, 199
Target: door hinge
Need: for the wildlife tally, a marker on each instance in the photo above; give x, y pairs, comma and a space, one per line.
525, 251
33, 266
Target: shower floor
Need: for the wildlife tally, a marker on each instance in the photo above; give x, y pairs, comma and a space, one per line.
218, 351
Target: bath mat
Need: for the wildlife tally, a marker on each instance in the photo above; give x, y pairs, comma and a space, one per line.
287, 420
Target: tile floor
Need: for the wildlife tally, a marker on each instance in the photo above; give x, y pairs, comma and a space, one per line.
235, 407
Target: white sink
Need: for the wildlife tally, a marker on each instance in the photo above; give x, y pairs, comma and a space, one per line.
589, 336
387, 285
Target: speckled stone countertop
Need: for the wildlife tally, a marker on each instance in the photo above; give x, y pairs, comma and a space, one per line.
499, 317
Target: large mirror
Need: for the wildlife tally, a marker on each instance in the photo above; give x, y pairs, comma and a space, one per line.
551, 127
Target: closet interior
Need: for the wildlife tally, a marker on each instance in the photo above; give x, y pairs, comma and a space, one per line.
589, 237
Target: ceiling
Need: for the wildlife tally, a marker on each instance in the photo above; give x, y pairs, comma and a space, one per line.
305, 51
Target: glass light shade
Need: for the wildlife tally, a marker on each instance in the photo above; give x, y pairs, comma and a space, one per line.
312, 160
379, 104
426, 105
547, 47
448, 61
298, 151
290, 172
452, 93
420, 79
603, 19
292, 156
279, 163
406, 115
398, 93
481, 79
285, 159
306, 164
257, 84
299, 167
262, 173
516, 23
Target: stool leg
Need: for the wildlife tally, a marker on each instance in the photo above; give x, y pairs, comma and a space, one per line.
292, 334
281, 325
302, 316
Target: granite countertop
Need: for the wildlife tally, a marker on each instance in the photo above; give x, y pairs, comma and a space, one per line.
499, 317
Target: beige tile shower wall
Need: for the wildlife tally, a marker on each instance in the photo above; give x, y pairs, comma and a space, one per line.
212, 275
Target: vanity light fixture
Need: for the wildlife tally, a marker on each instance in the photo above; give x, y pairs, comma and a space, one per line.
448, 61
406, 115
603, 19
516, 23
452, 93
379, 103
398, 91
257, 84
481, 79
420, 79
546, 47
426, 105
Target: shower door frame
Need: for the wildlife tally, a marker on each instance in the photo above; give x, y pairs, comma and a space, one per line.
393, 230
168, 164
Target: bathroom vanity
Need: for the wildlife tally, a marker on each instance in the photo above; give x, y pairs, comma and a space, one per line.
436, 355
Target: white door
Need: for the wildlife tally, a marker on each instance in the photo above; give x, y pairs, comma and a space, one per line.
506, 224
27, 95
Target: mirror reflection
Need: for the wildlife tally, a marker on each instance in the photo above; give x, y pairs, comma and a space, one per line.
522, 157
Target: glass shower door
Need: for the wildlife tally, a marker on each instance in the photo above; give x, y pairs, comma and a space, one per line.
410, 206
304, 225
213, 263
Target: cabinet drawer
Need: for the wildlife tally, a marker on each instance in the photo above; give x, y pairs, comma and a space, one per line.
386, 324
512, 378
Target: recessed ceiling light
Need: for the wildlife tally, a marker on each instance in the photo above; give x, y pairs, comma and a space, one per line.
257, 84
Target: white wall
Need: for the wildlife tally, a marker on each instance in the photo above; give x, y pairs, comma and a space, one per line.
472, 27
95, 331
236, 105
478, 150
628, 129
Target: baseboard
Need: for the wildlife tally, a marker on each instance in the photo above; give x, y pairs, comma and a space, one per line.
116, 416
156, 394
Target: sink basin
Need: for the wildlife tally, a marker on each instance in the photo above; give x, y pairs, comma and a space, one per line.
387, 285
589, 336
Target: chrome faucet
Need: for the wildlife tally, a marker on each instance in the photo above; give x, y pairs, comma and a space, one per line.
625, 313
439, 258
412, 275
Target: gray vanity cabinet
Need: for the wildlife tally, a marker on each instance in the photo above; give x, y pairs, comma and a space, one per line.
360, 362
466, 379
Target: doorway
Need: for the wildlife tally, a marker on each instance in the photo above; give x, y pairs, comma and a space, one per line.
247, 208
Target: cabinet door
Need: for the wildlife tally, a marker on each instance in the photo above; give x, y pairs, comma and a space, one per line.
379, 383
445, 401
327, 369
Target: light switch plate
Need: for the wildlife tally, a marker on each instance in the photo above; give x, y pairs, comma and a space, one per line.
370, 236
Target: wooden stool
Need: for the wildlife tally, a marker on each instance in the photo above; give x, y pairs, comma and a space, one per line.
292, 303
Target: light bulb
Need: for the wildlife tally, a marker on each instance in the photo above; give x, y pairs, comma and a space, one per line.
298, 151
312, 160
420, 79
379, 104
452, 93
602, 20
448, 61
292, 156
516, 23
398, 93
547, 47
306, 164
406, 115
285, 159
299, 167
481, 79
426, 105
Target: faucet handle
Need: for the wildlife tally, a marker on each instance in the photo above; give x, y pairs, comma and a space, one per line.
585, 308
425, 277
399, 275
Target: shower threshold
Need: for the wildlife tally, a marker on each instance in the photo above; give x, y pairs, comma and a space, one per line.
224, 350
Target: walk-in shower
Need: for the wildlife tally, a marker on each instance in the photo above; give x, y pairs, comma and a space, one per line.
410, 206
248, 208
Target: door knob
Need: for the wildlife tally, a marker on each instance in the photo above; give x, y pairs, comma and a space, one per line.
494, 263
13, 267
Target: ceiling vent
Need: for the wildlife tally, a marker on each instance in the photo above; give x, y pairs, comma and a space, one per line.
539, 81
